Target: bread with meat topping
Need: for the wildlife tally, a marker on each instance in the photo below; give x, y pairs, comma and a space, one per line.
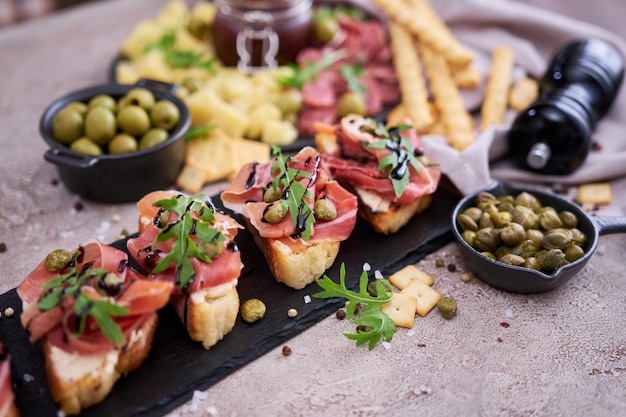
78, 381
296, 266
208, 314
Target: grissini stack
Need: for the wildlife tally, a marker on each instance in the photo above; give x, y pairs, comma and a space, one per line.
95, 318
184, 240
383, 166
296, 212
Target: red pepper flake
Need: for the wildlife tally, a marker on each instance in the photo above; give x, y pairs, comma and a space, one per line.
499, 340
505, 325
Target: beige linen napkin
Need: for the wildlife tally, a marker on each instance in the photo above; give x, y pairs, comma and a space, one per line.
534, 35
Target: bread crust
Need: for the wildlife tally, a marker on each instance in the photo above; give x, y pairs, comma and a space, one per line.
392, 220
91, 384
208, 314
299, 266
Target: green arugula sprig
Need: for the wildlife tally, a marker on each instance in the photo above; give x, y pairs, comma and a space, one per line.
195, 215
285, 180
351, 74
71, 284
299, 76
376, 323
181, 59
199, 131
403, 153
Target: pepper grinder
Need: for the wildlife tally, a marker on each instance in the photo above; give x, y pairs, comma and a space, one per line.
553, 135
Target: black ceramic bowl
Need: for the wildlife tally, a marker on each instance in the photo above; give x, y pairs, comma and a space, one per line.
118, 178
525, 280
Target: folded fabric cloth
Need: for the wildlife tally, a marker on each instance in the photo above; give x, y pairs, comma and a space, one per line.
534, 35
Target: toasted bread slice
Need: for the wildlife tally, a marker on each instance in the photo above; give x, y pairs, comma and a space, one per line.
79, 381
388, 218
298, 266
208, 314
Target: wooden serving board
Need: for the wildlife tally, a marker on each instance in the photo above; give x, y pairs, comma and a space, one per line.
177, 366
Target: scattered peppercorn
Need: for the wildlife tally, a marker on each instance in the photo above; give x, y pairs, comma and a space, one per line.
286, 350
447, 307
421, 345
292, 312
465, 277
9, 312
499, 340
361, 328
341, 314
3, 247
439, 263
54, 182
596, 146
451, 267
78, 206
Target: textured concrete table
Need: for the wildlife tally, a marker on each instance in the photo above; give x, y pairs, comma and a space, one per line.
557, 354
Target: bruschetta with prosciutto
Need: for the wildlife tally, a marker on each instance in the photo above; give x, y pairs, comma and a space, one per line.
383, 166
297, 214
185, 241
95, 317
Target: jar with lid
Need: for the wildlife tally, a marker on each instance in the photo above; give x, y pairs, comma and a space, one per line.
553, 135
261, 34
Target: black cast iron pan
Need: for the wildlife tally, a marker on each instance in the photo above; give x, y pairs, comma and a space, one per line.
525, 280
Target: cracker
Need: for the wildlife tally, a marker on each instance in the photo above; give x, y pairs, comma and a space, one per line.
403, 277
410, 78
190, 179
247, 151
523, 93
597, 193
454, 116
425, 295
212, 154
401, 308
495, 104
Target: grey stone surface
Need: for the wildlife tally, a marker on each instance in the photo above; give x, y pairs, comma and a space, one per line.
562, 354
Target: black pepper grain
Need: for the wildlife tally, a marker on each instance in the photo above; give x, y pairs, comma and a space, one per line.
54, 182
78, 206
286, 350
451, 267
341, 314
3, 247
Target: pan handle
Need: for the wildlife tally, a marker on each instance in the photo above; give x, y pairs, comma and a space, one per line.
609, 225
65, 158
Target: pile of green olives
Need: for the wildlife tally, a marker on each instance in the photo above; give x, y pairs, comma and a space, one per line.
519, 230
130, 123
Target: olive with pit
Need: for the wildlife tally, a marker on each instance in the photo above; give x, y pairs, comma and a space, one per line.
141, 97
164, 114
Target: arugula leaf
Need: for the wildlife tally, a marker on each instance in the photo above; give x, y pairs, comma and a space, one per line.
181, 59
195, 215
377, 323
351, 73
299, 76
403, 154
294, 194
71, 285
196, 132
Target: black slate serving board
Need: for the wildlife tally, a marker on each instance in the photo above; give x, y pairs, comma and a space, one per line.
178, 366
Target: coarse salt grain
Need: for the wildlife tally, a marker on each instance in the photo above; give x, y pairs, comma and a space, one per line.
307, 299
386, 345
28, 378
116, 218
378, 274
508, 313
410, 333
200, 395
366, 267
212, 411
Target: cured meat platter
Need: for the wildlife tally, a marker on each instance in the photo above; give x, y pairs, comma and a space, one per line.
177, 366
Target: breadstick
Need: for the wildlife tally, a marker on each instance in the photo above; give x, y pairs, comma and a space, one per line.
456, 119
466, 76
411, 80
523, 93
426, 31
499, 81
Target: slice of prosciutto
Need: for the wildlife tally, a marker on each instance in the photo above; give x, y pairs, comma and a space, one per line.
354, 163
133, 292
244, 195
224, 268
7, 395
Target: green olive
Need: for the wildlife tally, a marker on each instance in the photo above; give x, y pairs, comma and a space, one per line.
141, 97
192, 84
122, 143
289, 101
86, 146
351, 103
57, 260
133, 120
325, 27
252, 310
165, 114
103, 100
79, 106
100, 125
152, 138
67, 125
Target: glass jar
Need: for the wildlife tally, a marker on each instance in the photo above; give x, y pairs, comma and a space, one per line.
261, 34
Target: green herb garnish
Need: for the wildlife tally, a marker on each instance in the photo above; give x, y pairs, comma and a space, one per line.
403, 153
195, 215
293, 193
351, 73
299, 76
181, 59
196, 132
71, 285
377, 324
